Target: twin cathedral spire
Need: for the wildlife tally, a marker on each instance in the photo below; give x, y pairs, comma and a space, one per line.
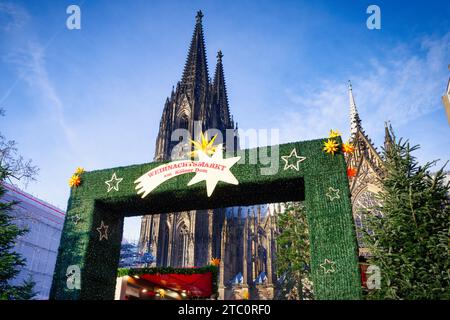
195, 98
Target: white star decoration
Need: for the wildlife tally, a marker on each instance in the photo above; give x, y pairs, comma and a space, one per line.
333, 193
75, 219
103, 231
328, 266
113, 183
211, 169
297, 160
213, 177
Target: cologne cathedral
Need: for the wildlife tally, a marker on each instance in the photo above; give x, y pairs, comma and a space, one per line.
368, 163
243, 238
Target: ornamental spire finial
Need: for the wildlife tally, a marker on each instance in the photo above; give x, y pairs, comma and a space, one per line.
199, 16
219, 56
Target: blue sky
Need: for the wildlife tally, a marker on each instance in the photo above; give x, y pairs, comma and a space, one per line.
93, 97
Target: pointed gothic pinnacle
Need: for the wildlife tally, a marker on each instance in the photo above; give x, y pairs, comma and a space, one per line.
355, 121
199, 16
219, 56
387, 134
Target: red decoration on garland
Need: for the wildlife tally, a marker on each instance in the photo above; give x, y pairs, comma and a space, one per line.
197, 285
351, 172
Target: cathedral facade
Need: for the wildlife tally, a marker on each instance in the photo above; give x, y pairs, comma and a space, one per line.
243, 238
368, 163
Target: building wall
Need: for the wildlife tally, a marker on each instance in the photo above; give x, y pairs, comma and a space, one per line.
40, 245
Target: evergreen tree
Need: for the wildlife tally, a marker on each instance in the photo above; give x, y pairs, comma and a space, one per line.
12, 166
293, 253
10, 262
409, 240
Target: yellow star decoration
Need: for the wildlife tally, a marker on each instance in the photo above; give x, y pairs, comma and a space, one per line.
215, 261
330, 146
334, 133
245, 294
204, 145
348, 147
162, 293
74, 181
79, 171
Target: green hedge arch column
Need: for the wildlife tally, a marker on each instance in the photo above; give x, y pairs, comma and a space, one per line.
92, 232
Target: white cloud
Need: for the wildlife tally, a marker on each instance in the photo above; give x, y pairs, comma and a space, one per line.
12, 17
29, 60
406, 84
31, 68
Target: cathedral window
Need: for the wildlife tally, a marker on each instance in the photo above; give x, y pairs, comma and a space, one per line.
184, 122
182, 246
165, 246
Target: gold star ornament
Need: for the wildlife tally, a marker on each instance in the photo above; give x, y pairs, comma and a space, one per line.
330, 146
204, 145
334, 133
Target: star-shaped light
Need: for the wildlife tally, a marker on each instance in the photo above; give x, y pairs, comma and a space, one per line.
162, 293
213, 176
334, 133
76, 218
297, 159
113, 183
330, 146
215, 262
333, 193
328, 266
204, 145
103, 231
79, 171
351, 172
348, 148
74, 181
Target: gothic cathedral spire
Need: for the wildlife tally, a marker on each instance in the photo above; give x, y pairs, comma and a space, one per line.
195, 79
220, 98
366, 159
355, 121
195, 104
388, 140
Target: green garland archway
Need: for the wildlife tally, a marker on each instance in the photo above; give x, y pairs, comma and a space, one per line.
90, 242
